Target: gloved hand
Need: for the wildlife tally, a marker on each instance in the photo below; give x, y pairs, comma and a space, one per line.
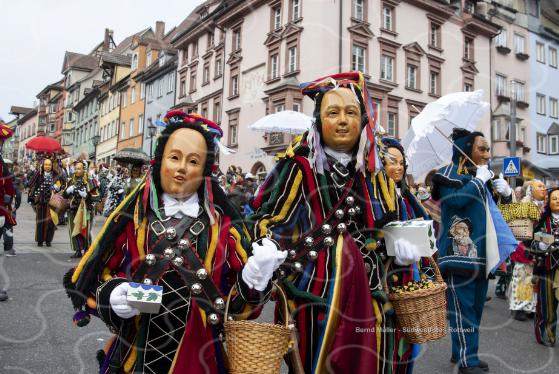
120, 191
83, 193
251, 275
70, 190
543, 246
406, 253
265, 260
2, 221
118, 302
483, 174
501, 186
56, 188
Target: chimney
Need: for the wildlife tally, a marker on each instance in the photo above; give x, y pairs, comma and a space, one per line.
106, 41
159, 30
34, 104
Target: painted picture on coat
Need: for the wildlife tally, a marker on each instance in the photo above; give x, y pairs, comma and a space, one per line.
459, 233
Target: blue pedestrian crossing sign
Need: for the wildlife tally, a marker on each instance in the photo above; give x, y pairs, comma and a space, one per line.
511, 166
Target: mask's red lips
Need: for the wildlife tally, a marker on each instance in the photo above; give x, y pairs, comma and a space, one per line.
179, 179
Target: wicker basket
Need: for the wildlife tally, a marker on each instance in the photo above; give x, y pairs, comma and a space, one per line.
256, 348
522, 229
100, 205
58, 204
420, 315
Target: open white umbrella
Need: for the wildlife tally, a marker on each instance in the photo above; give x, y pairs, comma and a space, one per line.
285, 121
7, 161
426, 148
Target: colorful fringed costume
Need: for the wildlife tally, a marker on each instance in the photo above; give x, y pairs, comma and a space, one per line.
172, 340
80, 212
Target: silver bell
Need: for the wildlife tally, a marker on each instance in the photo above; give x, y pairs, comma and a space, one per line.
169, 253
151, 259
230, 318
292, 253
170, 233
309, 241
339, 214
297, 267
282, 273
367, 268
351, 212
326, 229
213, 319
196, 288
201, 274
328, 241
178, 261
350, 200
312, 255
219, 303
183, 244
148, 281
357, 210
341, 227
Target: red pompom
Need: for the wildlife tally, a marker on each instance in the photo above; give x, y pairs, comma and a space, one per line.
214, 168
152, 162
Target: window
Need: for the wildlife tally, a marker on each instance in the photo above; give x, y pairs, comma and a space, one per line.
218, 68
519, 91
183, 88
233, 134
193, 82
296, 107
469, 7
196, 49
468, 49
540, 104
217, 113
501, 39
553, 149
171, 82
275, 66
142, 91
359, 59
160, 88
131, 129
391, 130
235, 85
467, 88
150, 94
133, 95
296, 9
279, 108
497, 130
540, 52
518, 44
148, 60
433, 36
238, 40
433, 83
553, 108
135, 62
552, 57
500, 85
387, 72
411, 75
523, 134
140, 123
358, 9
207, 74
292, 59
123, 131
387, 18
111, 103
533, 8
542, 140
277, 18
125, 99
212, 38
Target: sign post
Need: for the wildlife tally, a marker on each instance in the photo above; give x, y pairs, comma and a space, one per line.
511, 167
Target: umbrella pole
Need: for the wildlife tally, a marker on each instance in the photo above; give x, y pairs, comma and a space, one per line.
455, 146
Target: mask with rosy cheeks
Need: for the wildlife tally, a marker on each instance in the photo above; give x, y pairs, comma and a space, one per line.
554, 201
182, 165
47, 166
78, 172
135, 172
480, 151
340, 114
538, 190
394, 167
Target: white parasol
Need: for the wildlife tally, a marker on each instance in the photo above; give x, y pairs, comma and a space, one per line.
285, 121
7, 161
426, 148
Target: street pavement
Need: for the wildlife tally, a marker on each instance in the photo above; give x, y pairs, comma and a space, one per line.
37, 334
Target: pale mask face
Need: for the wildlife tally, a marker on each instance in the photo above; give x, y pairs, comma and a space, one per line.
183, 162
135, 172
79, 170
340, 114
554, 202
47, 166
538, 190
394, 168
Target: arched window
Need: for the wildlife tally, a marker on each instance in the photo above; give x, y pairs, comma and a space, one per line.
135, 62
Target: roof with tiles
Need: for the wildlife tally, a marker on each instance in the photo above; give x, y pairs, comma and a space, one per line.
20, 110
77, 60
115, 58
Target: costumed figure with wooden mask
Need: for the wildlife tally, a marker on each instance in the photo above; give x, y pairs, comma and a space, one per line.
176, 230
115, 192
44, 184
7, 195
134, 180
325, 204
81, 193
546, 271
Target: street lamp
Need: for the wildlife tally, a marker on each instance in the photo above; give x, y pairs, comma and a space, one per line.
95, 141
152, 129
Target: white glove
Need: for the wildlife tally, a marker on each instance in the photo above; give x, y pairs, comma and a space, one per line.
251, 275
2, 221
120, 191
70, 190
56, 188
483, 174
83, 193
118, 302
265, 260
406, 253
501, 186
542, 246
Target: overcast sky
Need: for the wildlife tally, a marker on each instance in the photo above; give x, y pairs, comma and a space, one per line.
35, 34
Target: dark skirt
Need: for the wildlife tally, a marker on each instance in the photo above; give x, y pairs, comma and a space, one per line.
44, 226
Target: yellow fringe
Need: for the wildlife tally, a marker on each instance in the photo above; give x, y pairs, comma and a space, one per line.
211, 250
244, 314
141, 238
106, 275
240, 250
203, 316
384, 189
295, 235
378, 321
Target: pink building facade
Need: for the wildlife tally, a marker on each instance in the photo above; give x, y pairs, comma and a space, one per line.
411, 53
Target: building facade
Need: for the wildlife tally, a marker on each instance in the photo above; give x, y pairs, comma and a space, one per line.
28, 130
87, 122
270, 47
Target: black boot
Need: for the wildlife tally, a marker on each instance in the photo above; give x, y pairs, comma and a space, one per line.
48, 244
519, 315
77, 254
482, 364
40, 244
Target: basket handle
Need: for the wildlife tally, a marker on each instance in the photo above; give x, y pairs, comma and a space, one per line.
438, 277
277, 287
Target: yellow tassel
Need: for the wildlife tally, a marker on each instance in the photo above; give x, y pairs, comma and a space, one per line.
141, 238
203, 316
378, 321
389, 197
211, 250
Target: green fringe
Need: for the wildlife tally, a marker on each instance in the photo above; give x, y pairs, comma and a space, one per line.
303, 295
